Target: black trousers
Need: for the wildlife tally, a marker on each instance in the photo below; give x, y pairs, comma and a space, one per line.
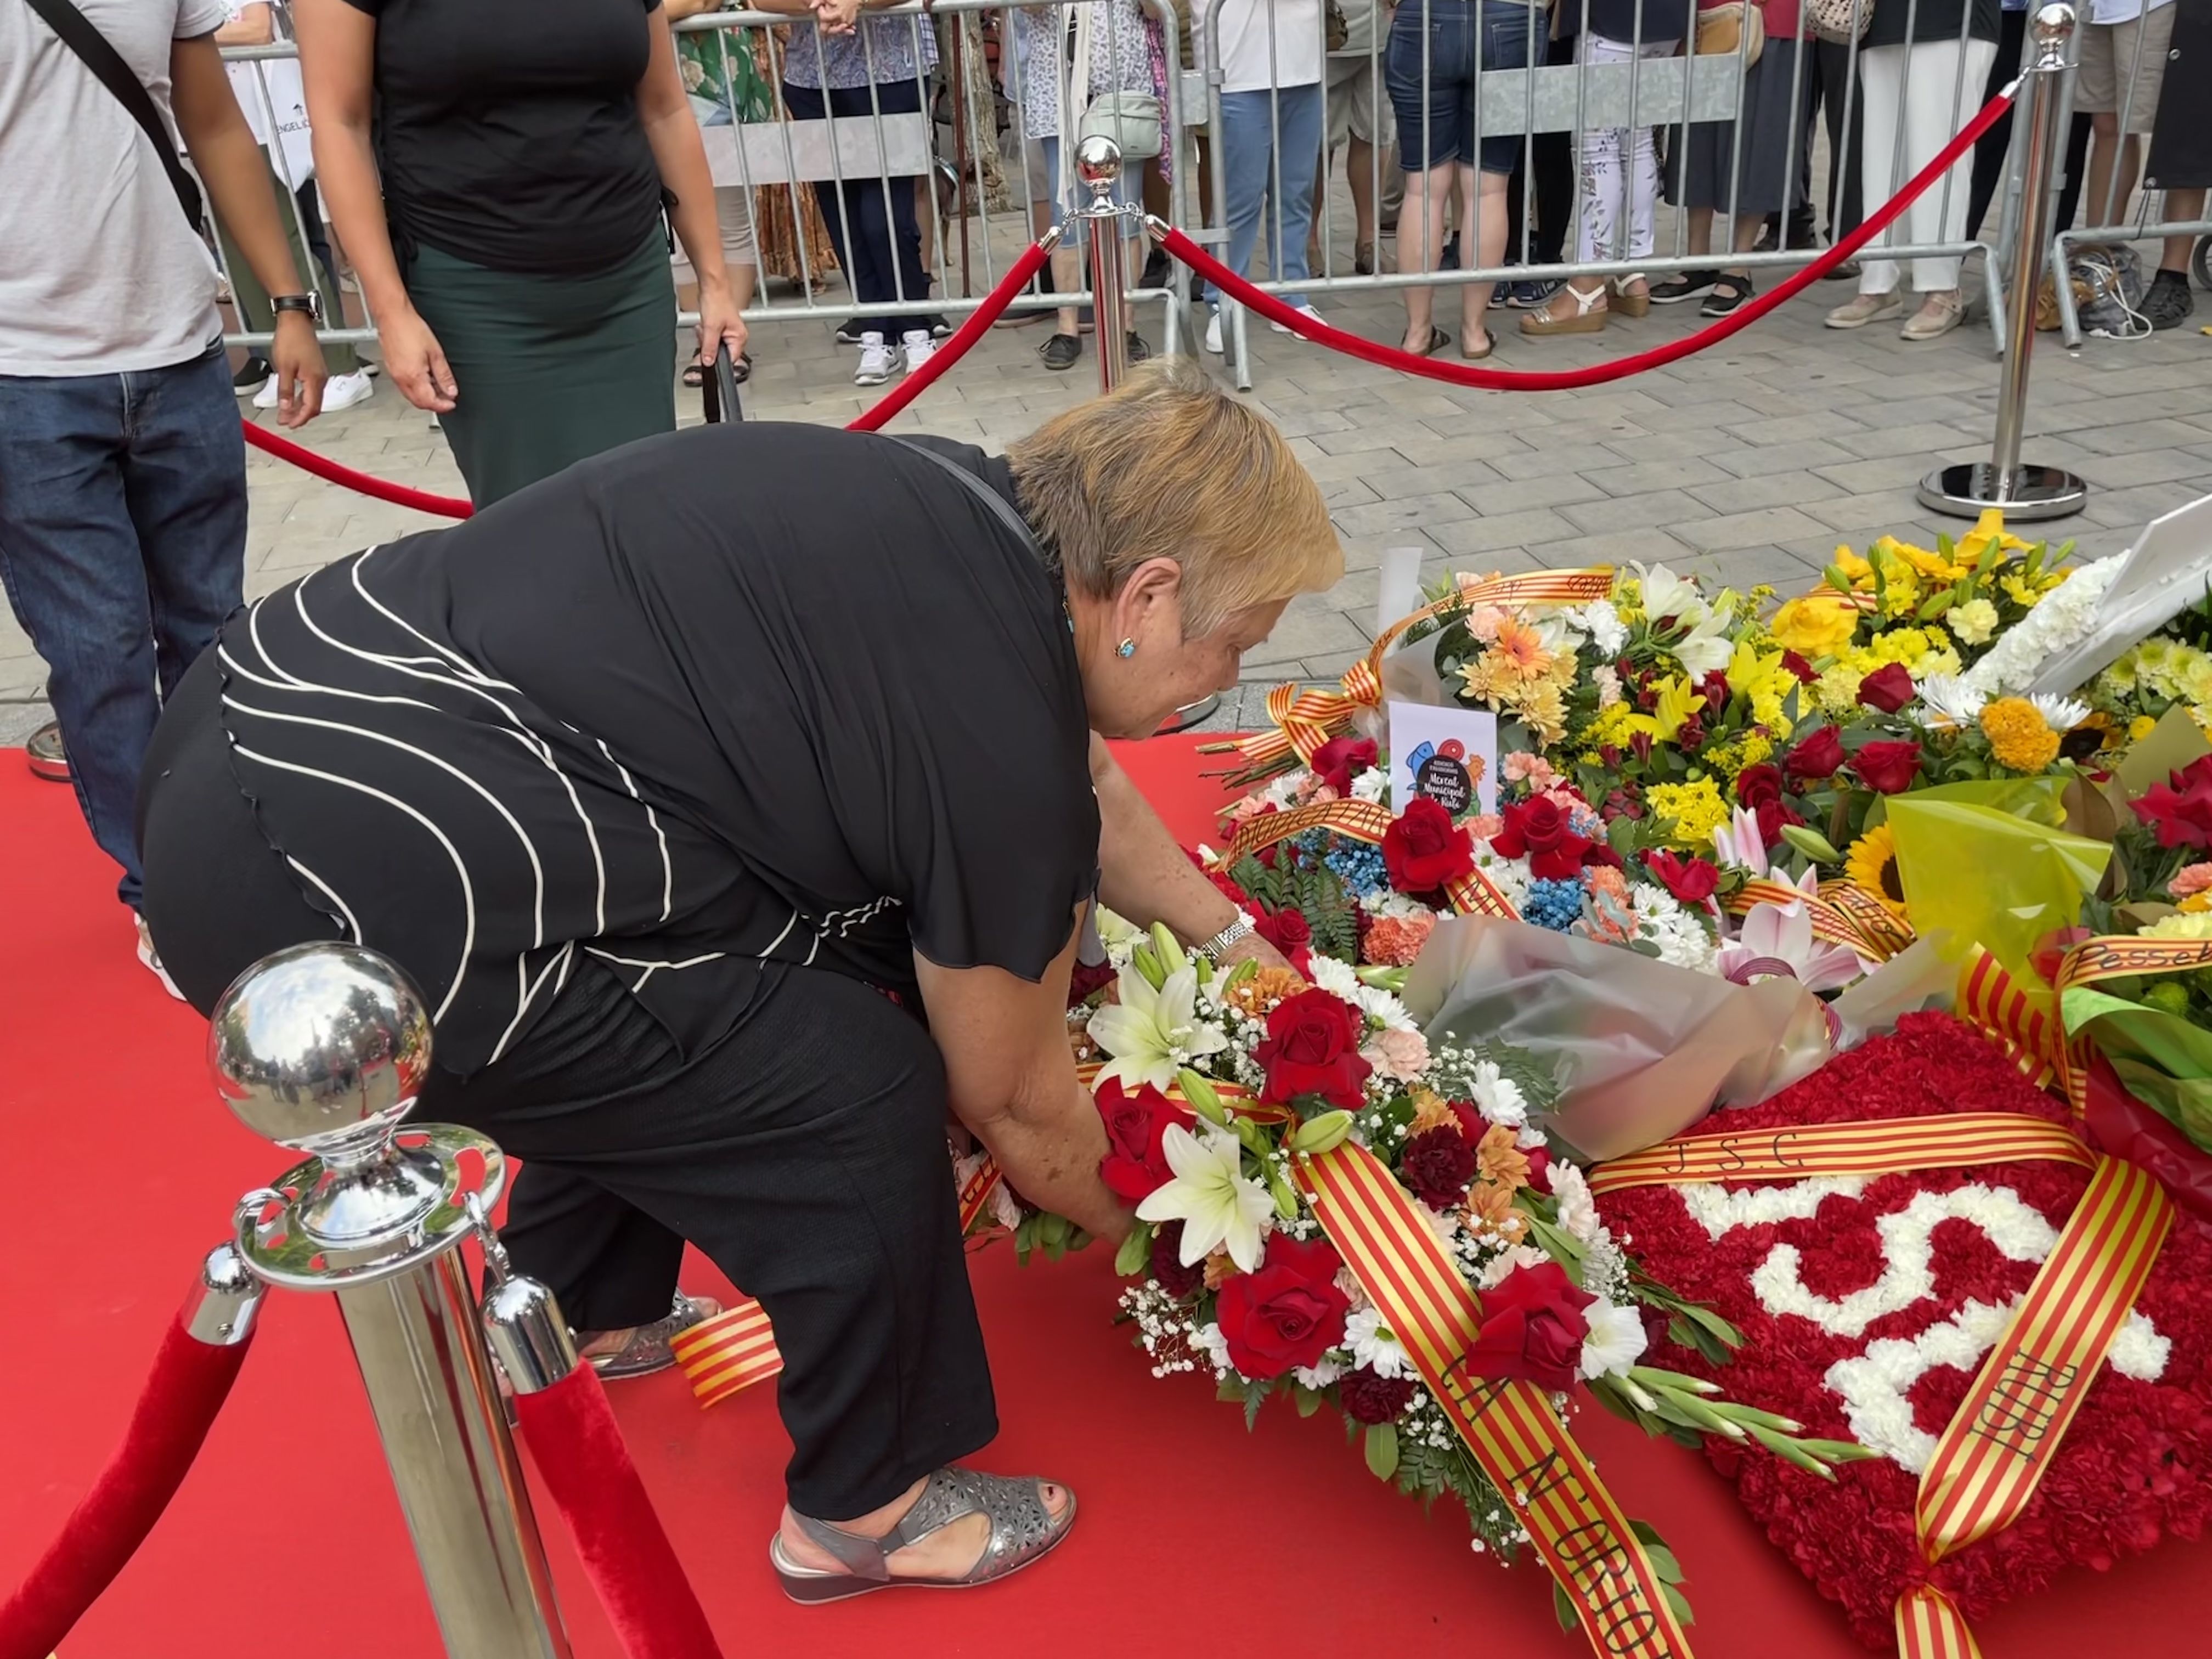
883, 258
1992, 148
1547, 166
803, 1153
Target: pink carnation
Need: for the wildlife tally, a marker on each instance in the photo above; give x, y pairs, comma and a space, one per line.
1483, 622
1606, 880
1485, 826
1403, 1055
2190, 878
1521, 767
1395, 941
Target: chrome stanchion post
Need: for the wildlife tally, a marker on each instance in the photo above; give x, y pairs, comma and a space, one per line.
2022, 491
323, 1048
1106, 223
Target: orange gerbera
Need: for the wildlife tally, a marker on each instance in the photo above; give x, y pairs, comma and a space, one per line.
1519, 652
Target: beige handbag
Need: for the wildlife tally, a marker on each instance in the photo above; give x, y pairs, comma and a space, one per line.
1721, 30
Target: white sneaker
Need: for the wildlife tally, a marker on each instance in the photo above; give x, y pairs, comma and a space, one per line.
876, 361
1213, 333
918, 347
344, 390
1302, 310
266, 397
150, 959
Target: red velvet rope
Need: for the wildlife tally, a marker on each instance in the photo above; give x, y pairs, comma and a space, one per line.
578, 1446
1390, 356
453, 506
191, 1380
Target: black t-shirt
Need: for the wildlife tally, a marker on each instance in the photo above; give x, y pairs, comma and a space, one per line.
744, 691
508, 131
1931, 21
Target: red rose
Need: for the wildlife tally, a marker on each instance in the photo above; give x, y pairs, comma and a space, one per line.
1771, 816
1819, 756
1691, 880
1288, 1314
1804, 671
1177, 1281
1136, 1126
1755, 785
1889, 688
1532, 1327
1312, 1048
1368, 1397
1335, 760
1424, 849
1438, 1165
1887, 767
2180, 809
1538, 830
1286, 930
1539, 1167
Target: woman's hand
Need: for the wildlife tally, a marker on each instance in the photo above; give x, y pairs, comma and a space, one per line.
834, 16
1253, 948
417, 362
720, 325
295, 358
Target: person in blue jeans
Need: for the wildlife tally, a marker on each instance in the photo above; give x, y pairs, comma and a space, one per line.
122, 469
1274, 108
1437, 48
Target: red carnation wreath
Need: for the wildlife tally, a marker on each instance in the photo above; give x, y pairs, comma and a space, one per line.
1867, 1305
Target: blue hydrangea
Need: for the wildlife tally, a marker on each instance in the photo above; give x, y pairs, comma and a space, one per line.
1359, 867
1554, 904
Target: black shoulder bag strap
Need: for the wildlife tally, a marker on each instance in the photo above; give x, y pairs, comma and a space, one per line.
983, 490
78, 35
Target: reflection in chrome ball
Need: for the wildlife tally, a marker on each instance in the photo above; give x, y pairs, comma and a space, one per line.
321, 1048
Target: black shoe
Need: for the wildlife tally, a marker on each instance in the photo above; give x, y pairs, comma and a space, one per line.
252, 374
1060, 352
1156, 270
1139, 351
850, 330
1682, 285
47, 758
1730, 291
2169, 300
937, 327
1450, 260
1846, 272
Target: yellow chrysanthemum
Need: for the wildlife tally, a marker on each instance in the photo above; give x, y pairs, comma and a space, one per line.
2141, 727
2181, 925
2020, 737
1696, 810
1871, 863
1818, 624
1972, 622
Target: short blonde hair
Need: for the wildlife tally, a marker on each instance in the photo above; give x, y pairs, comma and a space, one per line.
1169, 466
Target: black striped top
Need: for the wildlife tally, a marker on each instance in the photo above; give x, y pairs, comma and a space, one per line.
743, 692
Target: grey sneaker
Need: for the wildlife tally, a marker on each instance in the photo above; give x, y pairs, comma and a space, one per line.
47, 758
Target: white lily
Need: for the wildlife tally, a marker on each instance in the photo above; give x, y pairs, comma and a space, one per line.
1738, 845
1216, 1201
1151, 1033
1783, 933
1615, 1340
1666, 594
1707, 647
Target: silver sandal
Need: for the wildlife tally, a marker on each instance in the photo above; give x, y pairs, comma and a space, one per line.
646, 1350
1022, 1531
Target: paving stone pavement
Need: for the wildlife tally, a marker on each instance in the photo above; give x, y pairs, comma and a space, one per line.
1748, 463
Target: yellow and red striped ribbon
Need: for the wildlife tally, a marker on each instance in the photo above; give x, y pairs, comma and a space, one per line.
729, 1352
1840, 913
1509, 1427
1930, 1627
1471, 895
1306, 720
2112, 957
1887, 1146
1989, 998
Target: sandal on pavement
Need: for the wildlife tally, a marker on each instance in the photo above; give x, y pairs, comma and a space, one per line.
1682, 285
1730, 291
1628, 301
1489, 345
1022, 1531
645, 1350
1436, 342
1587, 316
695, 371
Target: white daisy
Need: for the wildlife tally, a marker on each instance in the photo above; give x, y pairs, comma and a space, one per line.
1376, 1346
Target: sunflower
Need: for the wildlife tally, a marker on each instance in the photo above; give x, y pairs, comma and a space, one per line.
1872, 863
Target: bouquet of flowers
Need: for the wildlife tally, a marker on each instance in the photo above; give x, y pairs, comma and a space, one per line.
1218, 1090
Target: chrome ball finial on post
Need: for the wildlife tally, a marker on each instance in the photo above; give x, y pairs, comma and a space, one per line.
1098, 165
2050, 28
321, 1049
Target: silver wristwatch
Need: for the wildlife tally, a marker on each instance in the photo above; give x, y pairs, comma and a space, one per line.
1213, 949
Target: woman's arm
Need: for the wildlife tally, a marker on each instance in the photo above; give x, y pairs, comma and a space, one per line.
1011, 1080
337, 66
1144, 875
230, 163
673, 133
254, 25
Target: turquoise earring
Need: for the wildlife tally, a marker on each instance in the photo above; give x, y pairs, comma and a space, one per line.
1127, 648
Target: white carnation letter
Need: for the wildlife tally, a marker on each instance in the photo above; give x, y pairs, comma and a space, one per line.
1875, 1385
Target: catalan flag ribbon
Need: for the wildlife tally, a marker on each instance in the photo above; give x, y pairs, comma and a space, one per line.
1841, 914
729, 1352
1306, 720
1989, 1458
1509, 1427
1471, 895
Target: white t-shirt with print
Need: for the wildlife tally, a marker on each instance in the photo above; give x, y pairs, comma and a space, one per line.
1250, 62
100, 273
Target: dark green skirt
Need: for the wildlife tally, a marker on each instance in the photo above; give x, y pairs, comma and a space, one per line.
548, 369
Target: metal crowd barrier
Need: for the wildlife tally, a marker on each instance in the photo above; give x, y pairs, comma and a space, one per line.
735, 75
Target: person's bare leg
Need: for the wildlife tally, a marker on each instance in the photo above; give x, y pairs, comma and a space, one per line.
1482, 204
1066, 278
2180, 205
1743, 236
945, 1554
1698, 230
2111, 170
1360, 168
1427, 194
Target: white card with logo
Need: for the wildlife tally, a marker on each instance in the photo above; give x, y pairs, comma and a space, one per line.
1449, 755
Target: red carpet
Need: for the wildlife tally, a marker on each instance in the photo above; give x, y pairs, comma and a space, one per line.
1196, 1538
